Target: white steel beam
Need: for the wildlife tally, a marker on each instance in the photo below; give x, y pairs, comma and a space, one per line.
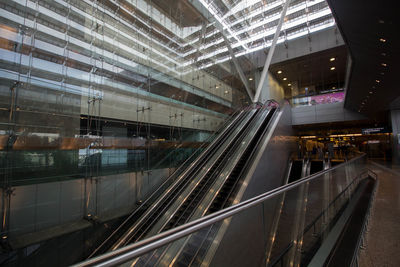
270, 53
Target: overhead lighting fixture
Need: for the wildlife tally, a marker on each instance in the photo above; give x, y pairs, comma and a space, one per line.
250, 79
332, 59
285, 79
382, 40
371, 92
226, 92
289, 84
279, 71
333, 68
216, 86
334, 87
384, 64
378, 81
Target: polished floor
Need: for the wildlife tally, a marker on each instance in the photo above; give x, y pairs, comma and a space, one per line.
382, 240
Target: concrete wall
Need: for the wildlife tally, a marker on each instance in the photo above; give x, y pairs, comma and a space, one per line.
332, 112
271, 88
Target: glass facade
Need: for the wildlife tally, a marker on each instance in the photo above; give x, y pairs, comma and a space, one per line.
101, 100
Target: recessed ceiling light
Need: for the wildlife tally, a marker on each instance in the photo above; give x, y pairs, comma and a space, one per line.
382, 40
226, 91
250, 79
284, 79
384, 64
289, 84
279, 71
378, 81
333, 68
332, 59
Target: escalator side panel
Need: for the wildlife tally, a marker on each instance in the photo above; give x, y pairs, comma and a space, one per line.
266, 173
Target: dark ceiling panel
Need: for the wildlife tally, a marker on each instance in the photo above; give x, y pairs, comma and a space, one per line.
313, 70
371, 31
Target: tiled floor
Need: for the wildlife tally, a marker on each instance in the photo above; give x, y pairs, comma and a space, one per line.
382, 243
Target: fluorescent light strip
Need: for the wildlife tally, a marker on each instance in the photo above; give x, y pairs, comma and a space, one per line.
271, 31
254, 25
210, 9
268, 44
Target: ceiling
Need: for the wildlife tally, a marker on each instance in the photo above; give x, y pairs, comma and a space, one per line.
371, 31
313, 70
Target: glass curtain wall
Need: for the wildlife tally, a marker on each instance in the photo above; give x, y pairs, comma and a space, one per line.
102, 100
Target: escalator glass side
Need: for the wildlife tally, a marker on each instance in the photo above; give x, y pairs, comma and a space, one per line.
135, 230
249, 249
196, 159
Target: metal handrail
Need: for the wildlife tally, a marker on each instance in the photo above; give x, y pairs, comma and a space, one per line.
313, 222
137, 249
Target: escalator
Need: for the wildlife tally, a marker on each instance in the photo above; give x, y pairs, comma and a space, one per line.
206, 185
316, 166
295, 170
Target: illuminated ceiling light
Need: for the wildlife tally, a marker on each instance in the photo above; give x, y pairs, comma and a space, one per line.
378, 81
382, 40
285, 79
371, 92
226, 92
384, 64
332, 59
250, 79
216, 86
289, 84
334, 87
279, 71
333, 68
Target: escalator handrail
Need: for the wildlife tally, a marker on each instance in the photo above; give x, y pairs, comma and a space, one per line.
142, 247
176, 172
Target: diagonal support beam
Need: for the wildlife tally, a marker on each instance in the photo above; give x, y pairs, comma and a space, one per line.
237, 66
271, 52
206, 13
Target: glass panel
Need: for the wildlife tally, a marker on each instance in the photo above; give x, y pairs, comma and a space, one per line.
100, 102
284, 230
